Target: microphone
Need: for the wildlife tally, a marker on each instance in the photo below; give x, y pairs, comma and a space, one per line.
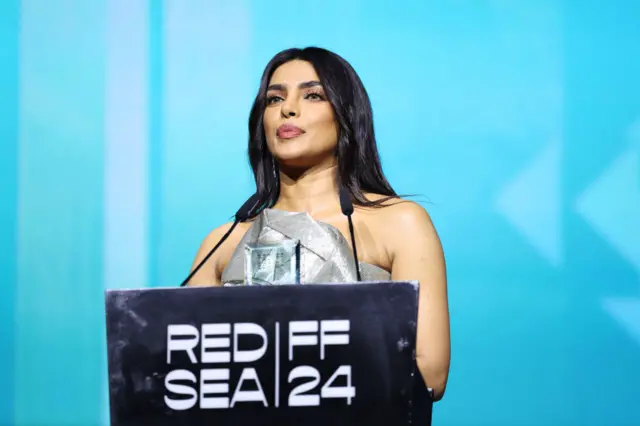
242, 214
347, 209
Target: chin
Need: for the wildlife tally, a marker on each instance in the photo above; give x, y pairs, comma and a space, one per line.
292, 155
299, 155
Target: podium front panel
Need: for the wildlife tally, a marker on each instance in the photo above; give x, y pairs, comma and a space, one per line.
325, 354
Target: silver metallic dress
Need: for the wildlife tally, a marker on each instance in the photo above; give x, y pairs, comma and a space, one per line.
325, 255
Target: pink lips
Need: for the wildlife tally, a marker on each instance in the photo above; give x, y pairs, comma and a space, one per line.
289, 131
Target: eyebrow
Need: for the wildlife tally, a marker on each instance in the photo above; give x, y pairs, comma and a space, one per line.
304, 85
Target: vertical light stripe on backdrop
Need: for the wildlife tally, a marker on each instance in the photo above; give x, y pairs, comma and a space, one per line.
126, 148
155, 126
59, 341
207, 95
125, 178
9, 30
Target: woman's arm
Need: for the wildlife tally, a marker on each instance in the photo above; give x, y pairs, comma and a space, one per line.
416, 254
209, 273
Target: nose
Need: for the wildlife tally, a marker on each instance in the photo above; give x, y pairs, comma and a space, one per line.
290, 108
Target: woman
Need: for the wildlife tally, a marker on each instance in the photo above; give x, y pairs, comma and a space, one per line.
311, 130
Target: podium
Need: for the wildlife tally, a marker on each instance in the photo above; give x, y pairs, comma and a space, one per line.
312, 354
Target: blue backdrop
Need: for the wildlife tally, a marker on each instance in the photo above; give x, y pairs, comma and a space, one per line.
519, 122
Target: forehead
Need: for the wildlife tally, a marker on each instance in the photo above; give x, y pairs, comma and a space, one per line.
294, 72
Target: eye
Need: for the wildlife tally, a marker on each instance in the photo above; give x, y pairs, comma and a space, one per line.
315, 96
273, 99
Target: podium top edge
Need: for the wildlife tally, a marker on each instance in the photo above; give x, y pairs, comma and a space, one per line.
413, 283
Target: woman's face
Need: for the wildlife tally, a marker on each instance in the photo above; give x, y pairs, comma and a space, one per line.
299, 122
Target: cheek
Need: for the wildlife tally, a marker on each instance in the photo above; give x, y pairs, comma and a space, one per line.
330, 129
326, 124
269, 126
268, 121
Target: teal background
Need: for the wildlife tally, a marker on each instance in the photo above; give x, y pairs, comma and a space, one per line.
122, 135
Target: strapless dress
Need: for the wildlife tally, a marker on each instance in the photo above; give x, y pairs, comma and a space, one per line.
325, 254
325, 257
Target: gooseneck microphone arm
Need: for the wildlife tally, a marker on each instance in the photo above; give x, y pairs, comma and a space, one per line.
346, 205
241, 215
197, 268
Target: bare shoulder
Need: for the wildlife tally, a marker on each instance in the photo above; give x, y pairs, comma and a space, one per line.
406, 213
398, 225
210, 272
412, 220
399, 214
212, 237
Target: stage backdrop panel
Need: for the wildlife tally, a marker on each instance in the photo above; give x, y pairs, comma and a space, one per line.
517, 124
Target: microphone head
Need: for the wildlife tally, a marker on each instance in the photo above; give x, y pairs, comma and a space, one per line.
346, 205
245, 211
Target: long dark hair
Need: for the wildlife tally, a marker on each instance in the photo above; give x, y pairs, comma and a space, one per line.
359, 168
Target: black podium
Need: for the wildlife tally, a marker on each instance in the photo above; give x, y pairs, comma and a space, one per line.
325, 354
